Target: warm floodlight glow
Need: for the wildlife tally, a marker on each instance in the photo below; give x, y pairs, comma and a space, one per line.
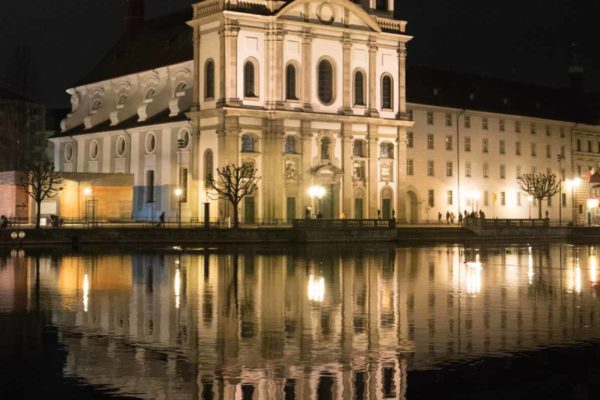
530, 199
316, 288
593, 203
178, 192
474, 276
86, 292
593, 264
87, 191
474, 194
316, 192
177, 287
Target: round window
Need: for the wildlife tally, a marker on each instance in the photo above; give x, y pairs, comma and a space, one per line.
120, 146
94, 148
69, 152
150, 143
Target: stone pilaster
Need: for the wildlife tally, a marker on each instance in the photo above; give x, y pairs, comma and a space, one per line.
347, 168
402, 81
306, 164
272, 170
228, 137
372, 188
197, 71
401, 176
229, 62
306, 69
278, 39
347, 78
372, 110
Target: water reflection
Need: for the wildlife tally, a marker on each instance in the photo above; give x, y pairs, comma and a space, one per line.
316, 325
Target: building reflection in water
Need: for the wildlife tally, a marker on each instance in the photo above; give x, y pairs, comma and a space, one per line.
316, 325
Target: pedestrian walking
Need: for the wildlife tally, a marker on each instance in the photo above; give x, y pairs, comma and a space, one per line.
439, 217
447, 217
452, 218
161, 220
460, 218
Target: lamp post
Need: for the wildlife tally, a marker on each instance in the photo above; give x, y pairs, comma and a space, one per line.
178, 193
474, 195
316, 192
87, 192
530, 200
559, 158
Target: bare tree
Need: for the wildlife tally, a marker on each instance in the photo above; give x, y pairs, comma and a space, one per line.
40, 181
539, 186
233, 184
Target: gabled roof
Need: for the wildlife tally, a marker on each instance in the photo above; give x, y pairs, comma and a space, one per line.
427, 85
163, 41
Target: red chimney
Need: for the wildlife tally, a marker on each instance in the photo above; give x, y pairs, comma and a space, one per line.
134, 19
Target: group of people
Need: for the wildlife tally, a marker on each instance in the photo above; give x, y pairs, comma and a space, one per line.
4, 222
451, 217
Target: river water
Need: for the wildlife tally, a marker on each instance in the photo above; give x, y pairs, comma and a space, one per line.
305, 323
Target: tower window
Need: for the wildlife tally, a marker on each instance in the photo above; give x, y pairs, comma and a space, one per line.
209, 80
249, 79
359, 88
290, 83
386, 92
325, 82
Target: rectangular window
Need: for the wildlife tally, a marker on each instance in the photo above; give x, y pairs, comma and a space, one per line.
410, 137
548, 151
533, 150
562, 174
410, 167
549, 201
448, 142
450, 196
562, 151
430, 168
468, 169
564, 199
431, 198
429, 117
484, 145
502, 147
519, 199
502, 125
589, 146
502, 198
484, 124
430, 141
486, 198
533, 129
518, 171
150, 186
562, 132
517, 127
548, 131
598, 147
183, 184
467, 121
578, 147
579, 171
502, 171
486, 170
518, 148
448, 119
467, 143
448, 168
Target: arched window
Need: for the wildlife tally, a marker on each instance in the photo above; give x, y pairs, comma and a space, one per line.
359, 88
208, 168
209, 80
325, 148
290, 145
359, 148
249, 79
386, 150
386, 92
290, 83
150, 93
325, 80
248, 144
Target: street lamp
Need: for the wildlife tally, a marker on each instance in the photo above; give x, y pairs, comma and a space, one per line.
316, 192
178, 193
87, 192
530, 200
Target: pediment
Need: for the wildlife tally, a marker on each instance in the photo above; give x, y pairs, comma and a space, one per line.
330, 12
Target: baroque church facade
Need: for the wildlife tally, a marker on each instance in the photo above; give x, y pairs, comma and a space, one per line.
309, 93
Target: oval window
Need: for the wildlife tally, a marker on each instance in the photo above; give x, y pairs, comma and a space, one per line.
94, 148
68, 152
150, 143
120, 146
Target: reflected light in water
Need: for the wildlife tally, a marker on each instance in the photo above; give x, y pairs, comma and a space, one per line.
530, 272
474, 276
86, 291
593, 262
177, 286
574, 278
316, 288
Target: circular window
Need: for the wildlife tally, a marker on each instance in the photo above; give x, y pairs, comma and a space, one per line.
120, 146
69, 152
150, 143
94, 149
184, 139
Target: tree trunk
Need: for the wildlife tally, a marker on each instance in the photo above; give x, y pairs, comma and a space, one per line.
540, 207
236, 222
38, 214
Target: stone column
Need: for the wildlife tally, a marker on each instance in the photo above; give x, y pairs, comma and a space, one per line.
306, 164
347, 169
401, 175
272, 169
197, 71
372, 187
229, 63
228, 138
402, 81
372, 110
306, 69
278, 39
347, 78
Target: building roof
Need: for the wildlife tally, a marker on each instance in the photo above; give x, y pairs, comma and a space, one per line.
163, 41
431, 86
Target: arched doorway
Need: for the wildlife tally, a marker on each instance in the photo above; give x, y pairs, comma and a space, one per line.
359, 203
327, 177
387, 203
412, 207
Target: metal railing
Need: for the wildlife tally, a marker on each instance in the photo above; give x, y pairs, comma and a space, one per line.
319, 223
494, 223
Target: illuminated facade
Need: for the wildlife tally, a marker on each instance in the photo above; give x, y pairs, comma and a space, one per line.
311, 94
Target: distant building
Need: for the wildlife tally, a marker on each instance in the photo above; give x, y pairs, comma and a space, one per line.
313, 93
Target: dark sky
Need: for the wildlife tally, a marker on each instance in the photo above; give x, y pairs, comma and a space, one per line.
526, 40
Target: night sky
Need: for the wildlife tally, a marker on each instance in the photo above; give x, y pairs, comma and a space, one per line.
526, 40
